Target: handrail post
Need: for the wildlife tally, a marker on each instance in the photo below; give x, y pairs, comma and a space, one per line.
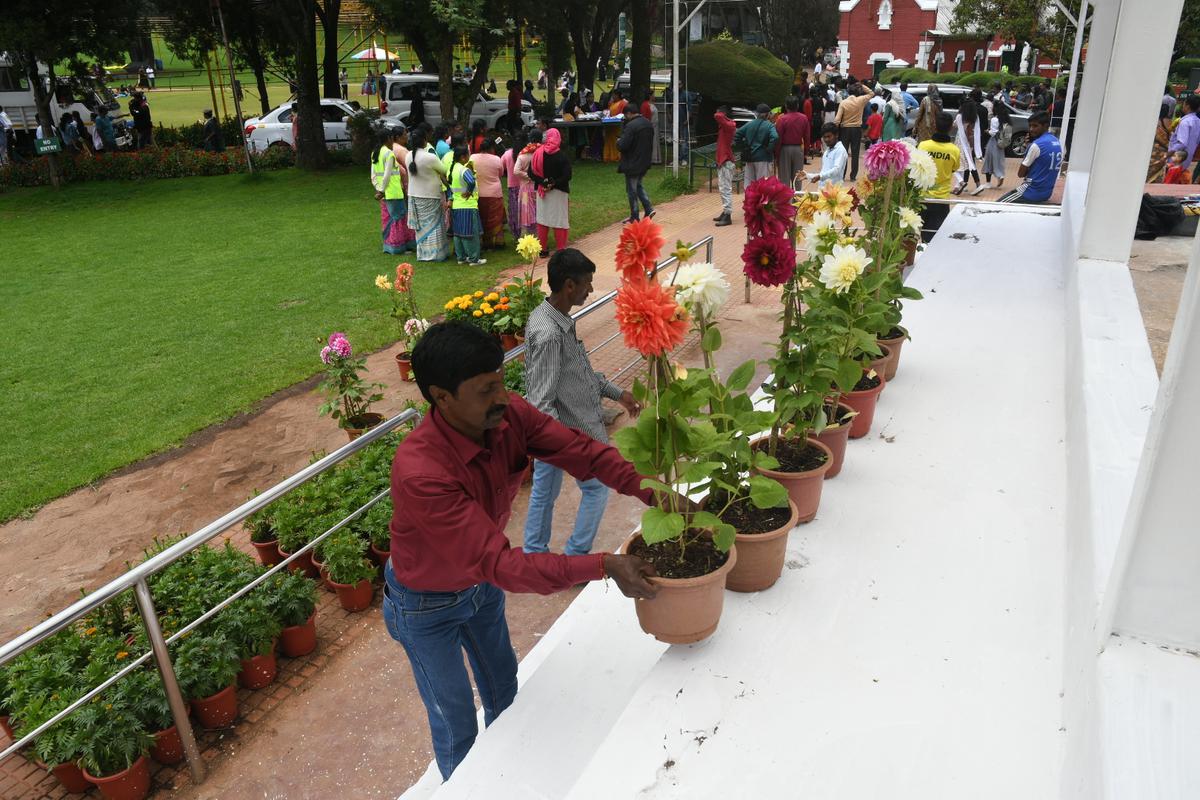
166, 671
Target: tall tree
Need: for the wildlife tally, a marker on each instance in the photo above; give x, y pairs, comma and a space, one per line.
1038, 22
794, 29
592, 25
299, 19
36, 33
328, 12
1187, 39
644, 21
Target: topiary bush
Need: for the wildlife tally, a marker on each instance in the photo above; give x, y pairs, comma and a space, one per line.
738, 74
909, 75
1182, 68
980, 80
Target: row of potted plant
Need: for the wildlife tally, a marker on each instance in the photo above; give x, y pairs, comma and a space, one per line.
758, 470
347, 561
107, 741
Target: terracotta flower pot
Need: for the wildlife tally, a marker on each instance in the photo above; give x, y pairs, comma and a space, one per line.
218, 710
303, 564
71, 776
804, 488
258, 671
910, 252
355, 597
329, 585
685, 610
404, 363
380, 557
835, 439
128, 784
268, 552
760, 557
299, 640
168, 747
8, 731
361, 424
894, 344
883, 363
508, 341
863, 402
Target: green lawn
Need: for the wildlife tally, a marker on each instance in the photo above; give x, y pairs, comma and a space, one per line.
139, 313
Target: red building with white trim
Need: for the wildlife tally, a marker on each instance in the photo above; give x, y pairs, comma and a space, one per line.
875, 34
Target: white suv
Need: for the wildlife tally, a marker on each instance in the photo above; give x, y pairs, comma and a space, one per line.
400, 90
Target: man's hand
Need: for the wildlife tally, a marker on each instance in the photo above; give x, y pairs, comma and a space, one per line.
630, 574
633, 407
378, 195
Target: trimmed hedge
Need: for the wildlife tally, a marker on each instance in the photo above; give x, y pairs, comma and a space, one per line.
193, 135
909, 74
157, 162
982, 80
1182, 67
738, 74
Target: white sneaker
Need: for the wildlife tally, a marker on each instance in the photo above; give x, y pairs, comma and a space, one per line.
979, 189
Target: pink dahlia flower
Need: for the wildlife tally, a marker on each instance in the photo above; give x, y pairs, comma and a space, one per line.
768, 207
340, 345
326, 354
769, 261
887, 159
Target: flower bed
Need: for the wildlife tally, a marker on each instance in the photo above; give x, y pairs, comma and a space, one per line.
158, 162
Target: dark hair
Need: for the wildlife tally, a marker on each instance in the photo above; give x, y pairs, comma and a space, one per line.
724, 109
829, 127
417, 142
441, 131
904, 86
792, 103
534, 136
1002, 113
461, 151
450, 353
478, 126
569, 263
1193, 102
944, 122
1043, 118
519, 140
488, 145
968, 110
458, 140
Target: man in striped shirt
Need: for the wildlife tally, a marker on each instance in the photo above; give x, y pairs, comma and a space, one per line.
560, 382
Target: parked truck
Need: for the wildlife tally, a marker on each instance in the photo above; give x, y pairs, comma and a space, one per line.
71, 94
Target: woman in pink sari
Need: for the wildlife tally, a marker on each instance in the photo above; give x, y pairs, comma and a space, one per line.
527, 200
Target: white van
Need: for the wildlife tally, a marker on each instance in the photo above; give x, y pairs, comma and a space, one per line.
399, 91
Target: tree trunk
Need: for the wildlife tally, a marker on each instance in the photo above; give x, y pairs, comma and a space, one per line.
310, 152
518, 53
486, 51
329, 22
592, 36
260, 78
445, 62
42, 99
642, 29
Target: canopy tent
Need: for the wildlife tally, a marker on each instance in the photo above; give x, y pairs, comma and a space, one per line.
374, 54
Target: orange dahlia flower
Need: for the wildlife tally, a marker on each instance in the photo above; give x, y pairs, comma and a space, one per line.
650, 319
638, 249
404, 274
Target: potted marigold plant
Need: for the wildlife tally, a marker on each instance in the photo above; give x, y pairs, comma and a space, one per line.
206, 666
757, 507
114, 744
349, 570
250, 624
143, 692
58, 749
263, 536
292, 598
693, 553
348, 397
403, 298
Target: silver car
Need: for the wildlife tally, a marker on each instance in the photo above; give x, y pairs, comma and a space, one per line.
952, 97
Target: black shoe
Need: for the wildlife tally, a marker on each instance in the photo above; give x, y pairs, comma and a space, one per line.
724, 220
719, 217
544, 254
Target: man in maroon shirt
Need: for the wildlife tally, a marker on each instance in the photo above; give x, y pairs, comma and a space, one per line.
794, 134
726, 128
453, 482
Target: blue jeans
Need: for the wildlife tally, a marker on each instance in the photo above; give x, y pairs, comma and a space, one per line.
635, 191
435, 628
547, 482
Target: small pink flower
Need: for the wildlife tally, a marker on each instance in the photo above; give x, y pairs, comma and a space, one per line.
325, 354
340, 345
886, 159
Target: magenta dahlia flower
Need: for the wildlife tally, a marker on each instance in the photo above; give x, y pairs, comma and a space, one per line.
769, 261
768, 207
886, 159
339, 345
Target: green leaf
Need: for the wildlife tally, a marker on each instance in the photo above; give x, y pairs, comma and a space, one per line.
659, 525
849, 372
699, 471
724, 536
651, 483
739, 379
767, 493
712, 339
629, 443
705, 519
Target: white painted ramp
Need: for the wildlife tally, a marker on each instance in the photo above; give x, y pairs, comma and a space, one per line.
912, 648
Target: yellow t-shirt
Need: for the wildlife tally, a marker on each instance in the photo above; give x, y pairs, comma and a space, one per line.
946, 156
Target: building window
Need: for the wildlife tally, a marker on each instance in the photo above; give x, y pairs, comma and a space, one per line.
885, 15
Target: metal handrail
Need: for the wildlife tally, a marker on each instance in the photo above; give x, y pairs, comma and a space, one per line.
137, 577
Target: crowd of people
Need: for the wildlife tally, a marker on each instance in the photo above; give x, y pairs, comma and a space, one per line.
444, 188
839, 120
1176, 140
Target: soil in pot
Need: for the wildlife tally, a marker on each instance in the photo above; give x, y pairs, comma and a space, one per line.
835, 436
355, 597
71, 776
359, 425
894, 340
299, 640
404, 364
802, 469
258, 671
761, 545
168, 747
863, 400
128, 784
676, 559
218, 710
685, 610
268, 552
